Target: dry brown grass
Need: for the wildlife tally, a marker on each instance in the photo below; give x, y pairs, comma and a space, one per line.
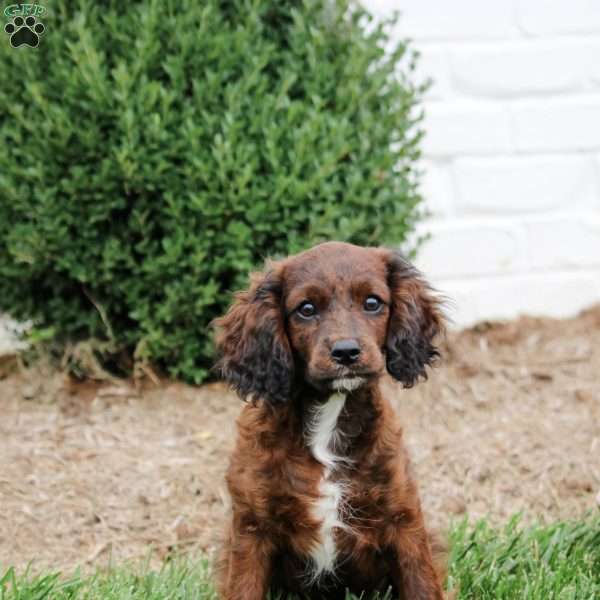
510, 422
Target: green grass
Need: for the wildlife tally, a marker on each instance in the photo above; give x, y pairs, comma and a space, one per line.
561, 560
544, 562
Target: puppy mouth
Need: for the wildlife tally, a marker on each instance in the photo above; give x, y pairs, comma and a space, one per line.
348, 383
348, 380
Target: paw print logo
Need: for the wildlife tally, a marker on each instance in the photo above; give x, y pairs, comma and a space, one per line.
24, 31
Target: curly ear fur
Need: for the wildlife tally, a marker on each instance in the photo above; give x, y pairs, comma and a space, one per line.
255, 354
415, 320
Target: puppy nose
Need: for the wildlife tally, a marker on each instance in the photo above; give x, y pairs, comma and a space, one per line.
345, 352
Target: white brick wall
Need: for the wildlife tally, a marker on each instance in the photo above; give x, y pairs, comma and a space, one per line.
9, 331
512, 152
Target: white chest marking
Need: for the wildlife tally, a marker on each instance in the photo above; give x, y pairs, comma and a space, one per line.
321, 438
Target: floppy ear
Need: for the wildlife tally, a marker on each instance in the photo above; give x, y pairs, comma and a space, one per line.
255, 355
415, 320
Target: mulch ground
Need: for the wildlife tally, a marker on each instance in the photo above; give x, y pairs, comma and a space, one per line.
92, 473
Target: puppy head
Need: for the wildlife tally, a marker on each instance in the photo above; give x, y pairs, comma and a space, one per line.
338, 315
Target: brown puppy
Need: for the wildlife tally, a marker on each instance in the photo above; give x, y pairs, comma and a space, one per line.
323, 499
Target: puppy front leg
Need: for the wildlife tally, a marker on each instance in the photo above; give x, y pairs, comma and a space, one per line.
248, 569
413, 569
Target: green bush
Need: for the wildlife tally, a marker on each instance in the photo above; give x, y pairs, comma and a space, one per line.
152, 153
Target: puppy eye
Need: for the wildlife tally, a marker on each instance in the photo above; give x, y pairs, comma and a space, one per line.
307, 310
372, 304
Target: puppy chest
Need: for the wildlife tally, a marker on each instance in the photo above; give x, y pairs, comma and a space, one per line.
327, 512
327, 509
